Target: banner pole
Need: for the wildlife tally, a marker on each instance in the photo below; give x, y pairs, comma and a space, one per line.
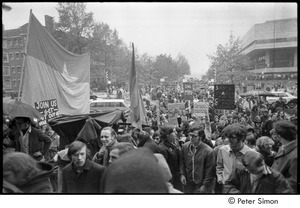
25, 55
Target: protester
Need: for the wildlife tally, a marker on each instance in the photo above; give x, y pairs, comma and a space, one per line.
197, 164
256, 177
108, 139
286, 160
170, 150
119, 149
144, 140
30, 140
264, 146
229, 156
81, 175
23, 174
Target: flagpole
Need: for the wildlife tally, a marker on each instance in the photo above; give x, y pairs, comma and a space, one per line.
25, 54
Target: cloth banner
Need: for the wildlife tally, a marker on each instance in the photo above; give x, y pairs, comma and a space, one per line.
51, 72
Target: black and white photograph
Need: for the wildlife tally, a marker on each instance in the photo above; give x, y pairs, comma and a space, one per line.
186, 100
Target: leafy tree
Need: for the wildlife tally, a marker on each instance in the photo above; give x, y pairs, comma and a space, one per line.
229, 62
75, 26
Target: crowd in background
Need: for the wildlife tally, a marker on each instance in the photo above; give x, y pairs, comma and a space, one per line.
251, 149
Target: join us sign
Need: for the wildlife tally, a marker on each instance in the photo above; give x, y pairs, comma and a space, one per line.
48, 108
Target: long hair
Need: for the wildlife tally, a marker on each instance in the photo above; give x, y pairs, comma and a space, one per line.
23, 166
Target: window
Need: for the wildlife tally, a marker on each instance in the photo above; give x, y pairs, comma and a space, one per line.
17, 55
4, 43
9, 43
14, 83
11, 56
6, 84
19, 69
13, 70
6, 71
5, 58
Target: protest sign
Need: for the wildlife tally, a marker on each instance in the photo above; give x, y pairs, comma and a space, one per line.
48, 108
201, 109
188, 91
175, 110
224, 97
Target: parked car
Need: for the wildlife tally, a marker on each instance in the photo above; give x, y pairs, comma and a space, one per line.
290, 100
99, 105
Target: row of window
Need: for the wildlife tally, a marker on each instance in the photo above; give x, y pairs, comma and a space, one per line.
12, 56
9, 84
7, 71
16, 42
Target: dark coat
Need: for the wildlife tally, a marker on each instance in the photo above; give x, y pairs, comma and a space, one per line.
286, 162
150, 144
271, 183
89, 181
38, 141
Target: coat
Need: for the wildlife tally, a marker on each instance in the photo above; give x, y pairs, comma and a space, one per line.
198, 167
150, 144
89, 181
286, 162
272, 182
38, 141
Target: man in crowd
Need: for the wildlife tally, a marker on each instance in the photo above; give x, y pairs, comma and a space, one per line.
230, 156
81, 175
286, 159
108, 139
30, 140
256, 177
197, 164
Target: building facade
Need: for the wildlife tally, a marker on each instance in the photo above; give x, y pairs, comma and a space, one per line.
272, 48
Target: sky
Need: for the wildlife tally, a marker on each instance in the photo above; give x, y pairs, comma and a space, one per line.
193, 30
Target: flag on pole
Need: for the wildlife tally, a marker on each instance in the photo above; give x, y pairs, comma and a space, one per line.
52, 72
137, 109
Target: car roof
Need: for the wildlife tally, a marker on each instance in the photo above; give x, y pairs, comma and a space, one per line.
107, 100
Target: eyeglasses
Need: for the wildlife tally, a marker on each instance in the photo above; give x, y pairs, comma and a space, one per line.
193, 135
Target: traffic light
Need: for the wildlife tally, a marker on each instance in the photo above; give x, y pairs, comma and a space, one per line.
107, 75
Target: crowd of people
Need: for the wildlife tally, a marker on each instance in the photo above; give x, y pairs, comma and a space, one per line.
252, 149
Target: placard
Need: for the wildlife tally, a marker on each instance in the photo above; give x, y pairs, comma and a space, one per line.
201, 109
48, 108
224, 96
175, 110
188, 91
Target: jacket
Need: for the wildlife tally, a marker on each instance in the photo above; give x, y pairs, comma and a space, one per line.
286, 163
89, 181
102, 157
198, 167
38, 141
150, 144
171, 154
271, 182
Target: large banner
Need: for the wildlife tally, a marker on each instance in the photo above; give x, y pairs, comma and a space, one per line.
51, 72
188, 91
224, 96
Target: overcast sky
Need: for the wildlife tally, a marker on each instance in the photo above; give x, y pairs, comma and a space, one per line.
191, 29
